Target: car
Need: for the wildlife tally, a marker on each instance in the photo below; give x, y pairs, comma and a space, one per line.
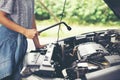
88, 56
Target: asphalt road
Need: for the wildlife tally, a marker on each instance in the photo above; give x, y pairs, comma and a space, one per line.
43, 40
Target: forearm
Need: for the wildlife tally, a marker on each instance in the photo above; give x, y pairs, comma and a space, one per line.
4, 20
35, 39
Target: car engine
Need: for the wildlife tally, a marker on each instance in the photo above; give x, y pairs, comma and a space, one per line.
89, 56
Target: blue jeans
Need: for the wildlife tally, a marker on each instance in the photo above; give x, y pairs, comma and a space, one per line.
13, 47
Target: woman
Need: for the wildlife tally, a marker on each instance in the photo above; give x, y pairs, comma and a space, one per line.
17, 23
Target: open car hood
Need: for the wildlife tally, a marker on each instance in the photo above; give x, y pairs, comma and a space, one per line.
114, 5
89, 56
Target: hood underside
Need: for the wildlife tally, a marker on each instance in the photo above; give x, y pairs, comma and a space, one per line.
114, 5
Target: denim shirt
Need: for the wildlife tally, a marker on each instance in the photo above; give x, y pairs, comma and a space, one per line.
13, 45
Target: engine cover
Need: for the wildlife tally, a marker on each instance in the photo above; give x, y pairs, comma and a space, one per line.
90, 48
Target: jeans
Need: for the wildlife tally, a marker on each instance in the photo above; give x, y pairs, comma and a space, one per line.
13, 47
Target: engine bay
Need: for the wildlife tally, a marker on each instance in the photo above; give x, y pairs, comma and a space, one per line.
89, 56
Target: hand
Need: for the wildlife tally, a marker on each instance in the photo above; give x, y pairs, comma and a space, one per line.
40, 46
30, 33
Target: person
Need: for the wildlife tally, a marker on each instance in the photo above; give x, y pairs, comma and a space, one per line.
17, 23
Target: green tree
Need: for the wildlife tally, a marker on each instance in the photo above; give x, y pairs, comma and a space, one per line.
82, 11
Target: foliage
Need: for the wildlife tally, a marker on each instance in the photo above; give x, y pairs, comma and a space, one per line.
82, 11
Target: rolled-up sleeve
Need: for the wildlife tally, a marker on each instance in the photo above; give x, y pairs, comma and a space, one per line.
7, 6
